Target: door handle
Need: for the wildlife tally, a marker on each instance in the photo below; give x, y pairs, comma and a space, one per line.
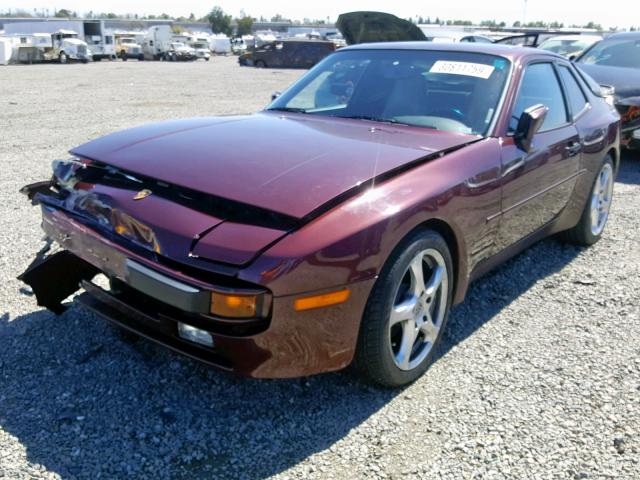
573, 148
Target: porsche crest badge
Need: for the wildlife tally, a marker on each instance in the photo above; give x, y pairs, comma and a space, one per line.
142, 194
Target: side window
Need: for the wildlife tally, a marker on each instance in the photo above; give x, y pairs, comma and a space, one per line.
540, 86
577, 100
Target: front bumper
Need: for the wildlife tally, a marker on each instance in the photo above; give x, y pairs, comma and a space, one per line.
288, 343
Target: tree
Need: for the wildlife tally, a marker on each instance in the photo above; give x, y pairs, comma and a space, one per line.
220, 21
243, 25
64, 13
279, 18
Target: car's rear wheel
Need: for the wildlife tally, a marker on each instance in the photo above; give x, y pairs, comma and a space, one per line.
406, 312
596, 212
260, 64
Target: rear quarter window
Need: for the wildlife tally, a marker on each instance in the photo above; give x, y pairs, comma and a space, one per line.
577, 99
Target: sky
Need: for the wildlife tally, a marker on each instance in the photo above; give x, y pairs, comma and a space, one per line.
613, 13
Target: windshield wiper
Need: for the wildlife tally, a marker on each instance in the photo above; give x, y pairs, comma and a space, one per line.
372, 118
288, 109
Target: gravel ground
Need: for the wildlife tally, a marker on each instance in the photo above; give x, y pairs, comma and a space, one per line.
538, 376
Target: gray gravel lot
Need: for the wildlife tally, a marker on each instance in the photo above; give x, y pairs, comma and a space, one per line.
538, 376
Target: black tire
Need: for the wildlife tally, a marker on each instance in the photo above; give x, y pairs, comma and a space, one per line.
141, 58
583, 233
260, 64
123, 56
62, 58
374, 358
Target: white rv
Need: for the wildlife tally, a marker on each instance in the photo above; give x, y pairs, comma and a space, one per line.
220, 44
157, 42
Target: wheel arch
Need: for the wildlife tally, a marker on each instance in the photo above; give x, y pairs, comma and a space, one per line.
456, 249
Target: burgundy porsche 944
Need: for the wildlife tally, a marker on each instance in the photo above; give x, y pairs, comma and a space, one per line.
341, 223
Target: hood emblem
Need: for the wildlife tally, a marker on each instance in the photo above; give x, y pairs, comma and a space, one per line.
142, 194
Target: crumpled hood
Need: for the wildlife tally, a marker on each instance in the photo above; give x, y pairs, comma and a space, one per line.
287, 163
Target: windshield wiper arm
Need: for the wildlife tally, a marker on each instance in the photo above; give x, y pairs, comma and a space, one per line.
372, 118
288, 109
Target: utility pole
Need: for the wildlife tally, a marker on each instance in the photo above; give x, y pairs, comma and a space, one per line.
524, 13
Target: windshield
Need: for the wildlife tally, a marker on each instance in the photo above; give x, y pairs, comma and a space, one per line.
451, 91
615, 53
565, 47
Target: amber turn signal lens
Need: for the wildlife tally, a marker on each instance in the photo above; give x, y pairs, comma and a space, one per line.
234, 306
324, 300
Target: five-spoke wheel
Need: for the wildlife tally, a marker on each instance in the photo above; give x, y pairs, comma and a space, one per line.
406, 311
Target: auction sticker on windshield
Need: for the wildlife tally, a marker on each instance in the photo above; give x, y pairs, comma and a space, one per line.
463, 68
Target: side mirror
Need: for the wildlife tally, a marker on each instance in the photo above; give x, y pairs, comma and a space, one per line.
607, 90
572, 58
530, 122
274, 95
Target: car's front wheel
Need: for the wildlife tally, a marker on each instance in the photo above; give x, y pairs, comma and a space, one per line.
596, 212
406, 312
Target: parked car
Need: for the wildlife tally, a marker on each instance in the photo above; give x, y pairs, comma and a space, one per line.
438, 35
179, 52
201, 50
366, 27
340, 224
529, 39
615, 62
287, 54
570, 46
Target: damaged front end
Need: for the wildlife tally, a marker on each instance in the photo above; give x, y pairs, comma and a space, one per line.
162, 241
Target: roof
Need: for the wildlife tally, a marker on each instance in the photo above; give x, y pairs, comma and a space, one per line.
624, 36
579, 36
507, 51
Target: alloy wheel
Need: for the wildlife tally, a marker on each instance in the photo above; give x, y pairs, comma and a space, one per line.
601, 199
419, 308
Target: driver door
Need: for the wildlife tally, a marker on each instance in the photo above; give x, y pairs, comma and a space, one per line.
536, 185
